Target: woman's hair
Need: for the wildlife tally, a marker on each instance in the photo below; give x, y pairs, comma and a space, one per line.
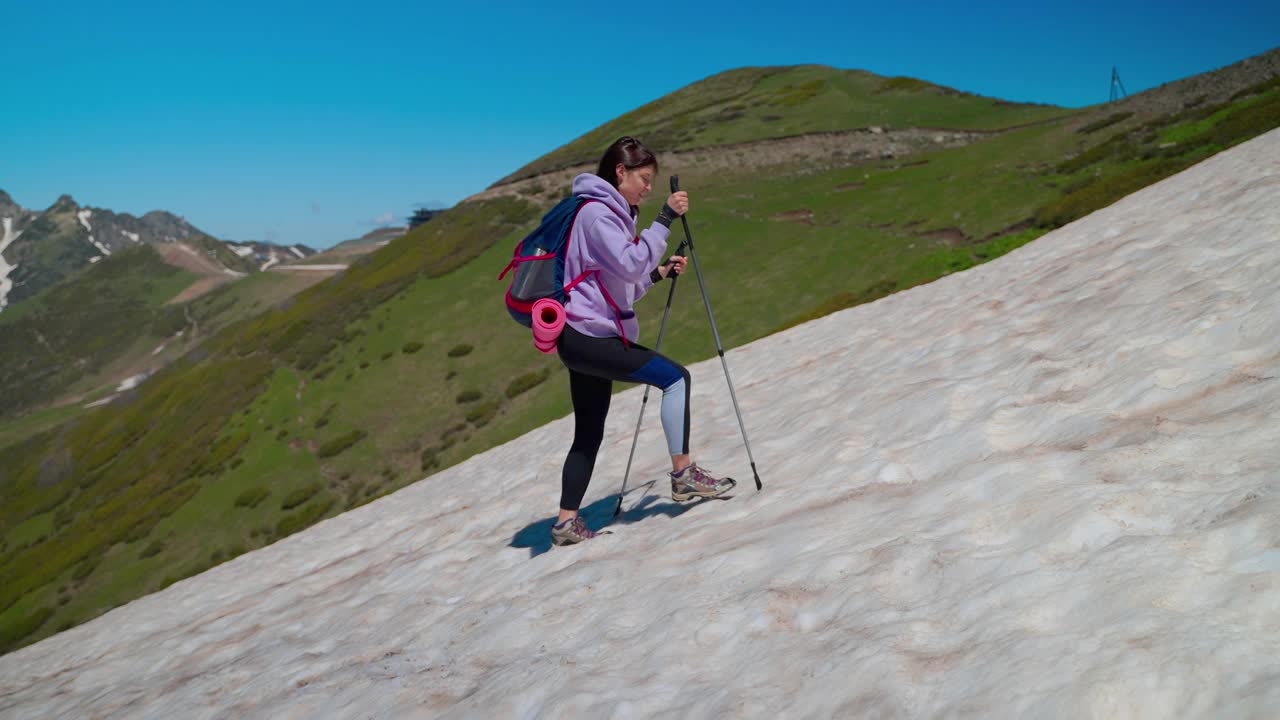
631, 153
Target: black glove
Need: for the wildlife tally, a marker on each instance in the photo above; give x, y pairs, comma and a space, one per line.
666, 215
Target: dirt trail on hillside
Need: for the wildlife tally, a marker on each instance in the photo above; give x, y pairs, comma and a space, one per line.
821, 149
182, 255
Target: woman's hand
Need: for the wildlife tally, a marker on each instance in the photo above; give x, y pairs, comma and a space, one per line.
675, 265
679, 201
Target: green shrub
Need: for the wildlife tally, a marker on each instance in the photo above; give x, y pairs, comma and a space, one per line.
430, 458
305, 517
284, 433
1107, 121
1102, 193
221, 452
387, 355
527, 382
411, 347
451, 375
11, 634
1118, 146
137, 532
364, 364
299, 496
903, 84
85, 568
252, 497
155, 548
482, 414
467, 396
460, 350
340, 443
321, 422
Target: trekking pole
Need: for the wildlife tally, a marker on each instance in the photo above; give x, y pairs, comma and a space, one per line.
666, 313
688, 240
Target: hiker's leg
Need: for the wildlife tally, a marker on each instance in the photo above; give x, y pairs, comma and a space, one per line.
611, 358
675, 415
591, 397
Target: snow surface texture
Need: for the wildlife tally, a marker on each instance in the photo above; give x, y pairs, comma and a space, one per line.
5, 268
1044, 487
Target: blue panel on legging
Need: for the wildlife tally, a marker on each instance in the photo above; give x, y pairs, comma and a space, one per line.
659, 372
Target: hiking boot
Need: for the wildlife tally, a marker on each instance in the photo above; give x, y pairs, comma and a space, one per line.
571, 531
693, 482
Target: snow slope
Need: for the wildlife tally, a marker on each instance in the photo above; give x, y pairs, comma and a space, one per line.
1044, 487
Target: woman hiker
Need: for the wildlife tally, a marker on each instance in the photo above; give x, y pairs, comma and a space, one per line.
598, 342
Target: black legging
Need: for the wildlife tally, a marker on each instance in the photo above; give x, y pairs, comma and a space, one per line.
594, 363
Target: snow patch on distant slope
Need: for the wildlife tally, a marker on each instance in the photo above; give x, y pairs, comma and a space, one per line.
275, 260
84, 220
242, 250
297, 252
313, 268
132, 236
5, 268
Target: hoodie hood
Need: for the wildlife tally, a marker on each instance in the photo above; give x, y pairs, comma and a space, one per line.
594, 187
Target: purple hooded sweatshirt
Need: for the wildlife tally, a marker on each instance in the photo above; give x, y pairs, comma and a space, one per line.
604, 239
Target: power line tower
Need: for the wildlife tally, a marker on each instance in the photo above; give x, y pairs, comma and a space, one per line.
1117, 87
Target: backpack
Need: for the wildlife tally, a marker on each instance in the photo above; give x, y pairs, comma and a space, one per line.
539, 262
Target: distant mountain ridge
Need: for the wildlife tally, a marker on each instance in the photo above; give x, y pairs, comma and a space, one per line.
39, 249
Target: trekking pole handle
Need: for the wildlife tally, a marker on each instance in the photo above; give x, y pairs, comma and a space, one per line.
675, 183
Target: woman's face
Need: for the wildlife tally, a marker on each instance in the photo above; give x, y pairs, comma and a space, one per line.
635, 184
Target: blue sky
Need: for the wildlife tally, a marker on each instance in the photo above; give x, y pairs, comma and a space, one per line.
313, 122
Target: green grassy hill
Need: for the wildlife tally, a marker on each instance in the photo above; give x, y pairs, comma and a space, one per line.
407, 363
78, 327
80, 337
750, 104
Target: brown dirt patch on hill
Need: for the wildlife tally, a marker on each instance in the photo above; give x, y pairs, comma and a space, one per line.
952, 236
803, 216
182, 255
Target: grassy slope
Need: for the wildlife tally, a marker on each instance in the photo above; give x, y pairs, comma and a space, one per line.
370, 352
759, 103
76, 328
